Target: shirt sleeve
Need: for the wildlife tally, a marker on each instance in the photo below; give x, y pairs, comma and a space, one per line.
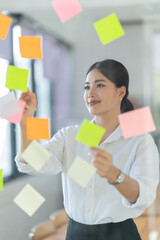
145, 170
54, 164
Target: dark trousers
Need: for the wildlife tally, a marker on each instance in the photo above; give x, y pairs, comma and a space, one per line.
125, 230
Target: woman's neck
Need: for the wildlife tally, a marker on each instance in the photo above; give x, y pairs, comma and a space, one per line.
110, 123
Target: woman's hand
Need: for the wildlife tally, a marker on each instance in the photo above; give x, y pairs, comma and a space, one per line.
102, 162
31, 105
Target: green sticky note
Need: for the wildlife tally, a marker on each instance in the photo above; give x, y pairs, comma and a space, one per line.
17, 78
1, 179
109, 29
90, 133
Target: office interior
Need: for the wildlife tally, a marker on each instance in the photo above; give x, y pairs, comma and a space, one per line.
58, 80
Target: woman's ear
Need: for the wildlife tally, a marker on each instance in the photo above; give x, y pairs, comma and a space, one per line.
122, 91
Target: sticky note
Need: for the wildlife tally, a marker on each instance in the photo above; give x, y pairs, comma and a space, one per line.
17, 117
36, 155
8, 105
108, 28
81, 171
5, 23
17, 78
30, 47
90, 134
66, 9
37, 128
29, 200
1, 179
136, 122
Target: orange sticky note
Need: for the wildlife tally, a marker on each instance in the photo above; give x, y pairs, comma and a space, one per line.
5, 23
137, 122
30, 47
37, 128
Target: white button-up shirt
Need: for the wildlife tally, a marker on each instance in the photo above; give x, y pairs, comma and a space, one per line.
101, 202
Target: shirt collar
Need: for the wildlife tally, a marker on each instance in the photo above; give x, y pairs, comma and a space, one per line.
114, 136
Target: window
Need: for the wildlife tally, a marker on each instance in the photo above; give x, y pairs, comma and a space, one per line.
5, 146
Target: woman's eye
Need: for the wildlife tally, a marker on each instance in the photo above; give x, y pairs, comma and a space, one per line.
86, 87
100, 85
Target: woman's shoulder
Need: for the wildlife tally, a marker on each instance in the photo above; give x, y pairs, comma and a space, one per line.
146, 141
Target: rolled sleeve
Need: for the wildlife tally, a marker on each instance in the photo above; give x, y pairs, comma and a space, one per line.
145, 170
54, 164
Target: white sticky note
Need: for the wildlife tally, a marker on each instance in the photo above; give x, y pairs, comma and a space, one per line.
29, 200
36, 155
9, 105
81, 171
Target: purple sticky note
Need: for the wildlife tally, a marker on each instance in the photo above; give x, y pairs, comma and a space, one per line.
66, 9
17, 117
136, 122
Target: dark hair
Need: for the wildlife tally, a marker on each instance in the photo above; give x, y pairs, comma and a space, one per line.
118, 74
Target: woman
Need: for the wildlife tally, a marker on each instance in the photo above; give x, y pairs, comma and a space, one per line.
127, 169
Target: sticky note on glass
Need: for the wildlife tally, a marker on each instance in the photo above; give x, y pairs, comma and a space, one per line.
81, 171
66, 9
36, 155
5, 23
29, 200
90, 133
136, 122
17, 78
17, 117
108, 28
37, 128
9, 105
1, 179
30, 47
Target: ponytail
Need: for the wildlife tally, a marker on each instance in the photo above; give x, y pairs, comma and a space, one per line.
126, 105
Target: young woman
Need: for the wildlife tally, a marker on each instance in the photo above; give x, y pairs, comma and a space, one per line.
127, 169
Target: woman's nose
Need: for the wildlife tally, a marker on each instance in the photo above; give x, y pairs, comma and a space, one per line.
91, 92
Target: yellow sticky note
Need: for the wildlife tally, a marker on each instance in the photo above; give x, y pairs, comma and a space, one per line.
90, 133
29, 200
17, 78
1, 179
109, 28
81, 171
36, 155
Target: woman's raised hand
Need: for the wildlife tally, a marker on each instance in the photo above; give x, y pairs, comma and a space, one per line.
31, 105
102, 162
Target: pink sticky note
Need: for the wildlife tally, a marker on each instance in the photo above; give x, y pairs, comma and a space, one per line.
66, 9
17, 117
137, 122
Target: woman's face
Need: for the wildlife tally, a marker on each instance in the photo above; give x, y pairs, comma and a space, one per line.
101, 95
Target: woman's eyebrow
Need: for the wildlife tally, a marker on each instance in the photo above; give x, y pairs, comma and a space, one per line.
100, 80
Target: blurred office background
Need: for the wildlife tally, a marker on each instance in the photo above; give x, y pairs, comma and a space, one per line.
58, 80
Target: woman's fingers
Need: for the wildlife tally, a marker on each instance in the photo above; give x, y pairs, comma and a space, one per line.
29, 98
102, 161
100, 151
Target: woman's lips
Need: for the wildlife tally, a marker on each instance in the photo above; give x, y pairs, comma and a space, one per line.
92, 103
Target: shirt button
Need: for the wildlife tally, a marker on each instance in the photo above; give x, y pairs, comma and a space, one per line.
90, 186
89, 210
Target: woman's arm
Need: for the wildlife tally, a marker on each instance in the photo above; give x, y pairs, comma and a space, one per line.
30, 99
129, 188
